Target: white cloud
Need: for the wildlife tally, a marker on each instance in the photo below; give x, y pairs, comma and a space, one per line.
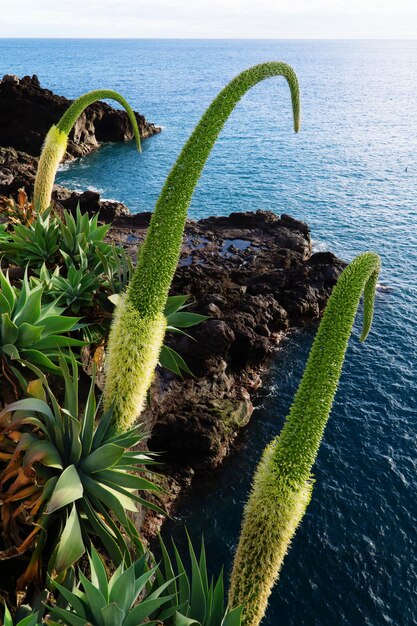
209, 18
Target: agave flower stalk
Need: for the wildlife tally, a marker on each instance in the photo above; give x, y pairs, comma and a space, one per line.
56, 142
139, 325
282, 485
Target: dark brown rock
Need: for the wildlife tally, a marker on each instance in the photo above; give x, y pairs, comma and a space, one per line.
18, 169
27, 111
255, 275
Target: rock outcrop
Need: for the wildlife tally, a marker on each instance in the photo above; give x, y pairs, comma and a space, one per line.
18, 169
256, 277
27, 111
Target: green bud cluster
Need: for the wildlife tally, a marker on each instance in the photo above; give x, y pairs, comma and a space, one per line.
132, 356
283, 483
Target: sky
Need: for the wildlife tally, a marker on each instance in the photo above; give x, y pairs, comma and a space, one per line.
276, 19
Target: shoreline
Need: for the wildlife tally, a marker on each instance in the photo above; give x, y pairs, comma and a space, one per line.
254, 275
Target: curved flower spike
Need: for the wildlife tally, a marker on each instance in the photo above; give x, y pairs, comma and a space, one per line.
56, 141
282, 485
139, 326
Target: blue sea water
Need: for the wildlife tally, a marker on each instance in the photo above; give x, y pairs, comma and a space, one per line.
352, 175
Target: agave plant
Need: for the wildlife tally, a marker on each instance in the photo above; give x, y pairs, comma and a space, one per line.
81, 239
195, 601
76, 290
68, 474
283, 483
31, 245
30, 330
101, 601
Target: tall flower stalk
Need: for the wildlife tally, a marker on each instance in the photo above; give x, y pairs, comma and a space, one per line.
283, 483
139, 325
56, 142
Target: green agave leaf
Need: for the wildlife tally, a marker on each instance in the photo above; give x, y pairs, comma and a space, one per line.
56, 324
233, 617
185, 320
30, 620
103, 531
71, 546
103, 428
71, 385
29, 334
31, 310
52, 342
9, 330
168, 569
75, 441
123, 479
133, 496
40, 359
11, 351
202, 566
181, 620
108, 497
183, 581
42, 451
198, 601
101, 459
112, 615
173, 304
123, 589
144, 610
171, 360
98, 572
4, 305
7, 617
68, 489
217, 609
71, 598
28, 404
87, 427
7, 290
68, 617
95, 598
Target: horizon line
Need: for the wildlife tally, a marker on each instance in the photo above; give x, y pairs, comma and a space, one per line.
92, 38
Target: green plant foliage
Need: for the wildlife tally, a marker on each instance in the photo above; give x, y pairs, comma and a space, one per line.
33, 244
177, 319
27, 620
195, 601
76, 290
30, 330
82, 239
84, 476
56, 143
283, 482
100, 601
142, 310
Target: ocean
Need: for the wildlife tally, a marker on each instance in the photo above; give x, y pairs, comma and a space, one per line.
351, 174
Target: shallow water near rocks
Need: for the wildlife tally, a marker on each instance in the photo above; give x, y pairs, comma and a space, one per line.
352, 175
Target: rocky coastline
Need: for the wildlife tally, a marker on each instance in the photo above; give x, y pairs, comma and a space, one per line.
254, 275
